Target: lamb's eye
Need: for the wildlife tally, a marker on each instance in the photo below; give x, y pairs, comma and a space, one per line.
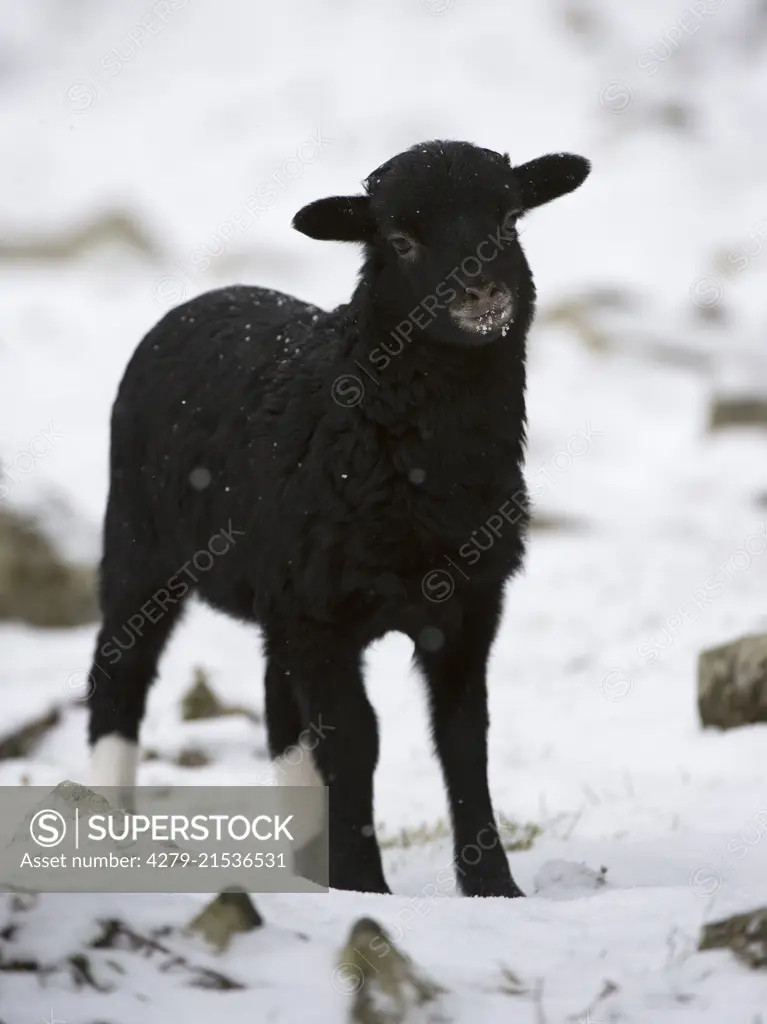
403, 246
510, 219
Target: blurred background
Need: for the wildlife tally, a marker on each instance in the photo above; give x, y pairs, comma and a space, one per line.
151, 152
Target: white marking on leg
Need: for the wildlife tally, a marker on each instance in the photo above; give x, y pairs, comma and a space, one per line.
296, 767
114, 761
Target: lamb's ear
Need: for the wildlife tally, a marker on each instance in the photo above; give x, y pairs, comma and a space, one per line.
549, 177
338, 219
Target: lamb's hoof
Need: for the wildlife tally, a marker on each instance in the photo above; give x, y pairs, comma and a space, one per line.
361, 885
506, 887
383, 889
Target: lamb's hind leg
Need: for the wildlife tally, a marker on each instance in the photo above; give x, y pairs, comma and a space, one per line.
291, 746
455, 674
139, 614
323, 728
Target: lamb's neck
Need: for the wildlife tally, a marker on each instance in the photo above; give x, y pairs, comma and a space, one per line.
404, 377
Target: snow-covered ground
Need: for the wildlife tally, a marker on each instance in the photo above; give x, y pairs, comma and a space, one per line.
178, 119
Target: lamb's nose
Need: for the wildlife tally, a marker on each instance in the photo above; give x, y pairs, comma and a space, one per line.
482, 298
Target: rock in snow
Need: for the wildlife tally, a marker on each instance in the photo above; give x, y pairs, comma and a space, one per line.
386, 986
732, 683
225, 916
744, 934
37, 586
200, 701
733, 411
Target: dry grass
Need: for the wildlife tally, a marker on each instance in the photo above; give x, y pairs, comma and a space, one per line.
514, 836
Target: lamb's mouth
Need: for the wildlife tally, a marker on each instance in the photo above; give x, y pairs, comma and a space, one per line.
494, 321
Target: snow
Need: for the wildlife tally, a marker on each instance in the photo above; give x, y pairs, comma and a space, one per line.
595, 737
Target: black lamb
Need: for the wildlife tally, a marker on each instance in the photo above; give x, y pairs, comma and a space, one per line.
323, 475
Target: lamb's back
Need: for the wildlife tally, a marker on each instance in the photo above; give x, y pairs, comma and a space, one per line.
205, 348
218, 390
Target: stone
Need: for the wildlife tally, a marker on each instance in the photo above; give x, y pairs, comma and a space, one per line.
386, 986
551, 521
192, 757
744, 934
37, 586
71, 242
21, 742
738, 411
200, 701
228, 914
732, 683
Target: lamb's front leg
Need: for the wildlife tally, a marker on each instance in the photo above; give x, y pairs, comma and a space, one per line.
323, 670
454, 663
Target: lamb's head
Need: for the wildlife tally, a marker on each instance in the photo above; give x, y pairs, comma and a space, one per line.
439, 225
